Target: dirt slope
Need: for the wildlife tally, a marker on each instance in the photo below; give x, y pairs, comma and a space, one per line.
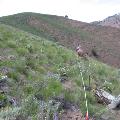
103, 40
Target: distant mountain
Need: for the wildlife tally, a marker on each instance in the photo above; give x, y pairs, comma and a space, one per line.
113, 21
105, 41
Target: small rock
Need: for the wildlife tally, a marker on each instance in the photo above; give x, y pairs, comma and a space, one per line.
4, 70
3, 80
2, 58
11, 57
13, 102
53, 75
115, 104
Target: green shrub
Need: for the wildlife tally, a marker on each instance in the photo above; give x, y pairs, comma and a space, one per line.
28, 89
13, 75
41, 69
49, 88
31, 63
30, 106
22, 51
30, 48
11, 44
9, 114
2, 97
20, 67
68, 95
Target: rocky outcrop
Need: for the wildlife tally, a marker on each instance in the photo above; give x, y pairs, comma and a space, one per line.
9, 57
4, 98
112, 21
3, 83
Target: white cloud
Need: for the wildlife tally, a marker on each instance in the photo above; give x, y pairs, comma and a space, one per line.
83, 10
112, 2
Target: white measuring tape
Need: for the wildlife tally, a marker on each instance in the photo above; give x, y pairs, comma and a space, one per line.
86, 101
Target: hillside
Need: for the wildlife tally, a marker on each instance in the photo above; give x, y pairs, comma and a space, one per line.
103, 40
112, 21
40, 72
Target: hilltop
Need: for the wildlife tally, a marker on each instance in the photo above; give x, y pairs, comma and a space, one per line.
40, 71
112, 21
69, 33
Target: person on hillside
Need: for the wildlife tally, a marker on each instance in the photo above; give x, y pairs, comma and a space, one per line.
81, 53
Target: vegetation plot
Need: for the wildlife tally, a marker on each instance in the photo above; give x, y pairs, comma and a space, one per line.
39, 71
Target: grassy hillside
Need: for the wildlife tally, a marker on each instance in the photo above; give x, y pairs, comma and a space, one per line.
48, 26
35, 68
70, 33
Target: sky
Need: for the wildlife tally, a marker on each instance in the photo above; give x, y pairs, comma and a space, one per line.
82, 10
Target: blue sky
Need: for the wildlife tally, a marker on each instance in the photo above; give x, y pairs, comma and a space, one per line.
82, 10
